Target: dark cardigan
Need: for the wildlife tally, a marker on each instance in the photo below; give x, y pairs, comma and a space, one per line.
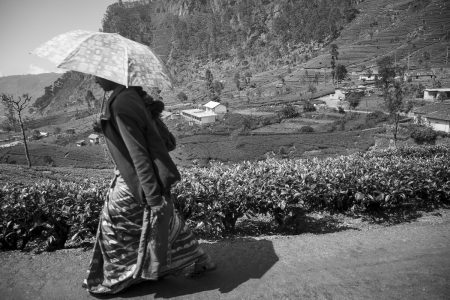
136, 147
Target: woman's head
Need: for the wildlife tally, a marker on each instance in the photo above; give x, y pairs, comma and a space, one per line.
105, 84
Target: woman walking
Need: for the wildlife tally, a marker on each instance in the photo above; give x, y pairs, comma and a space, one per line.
140, 235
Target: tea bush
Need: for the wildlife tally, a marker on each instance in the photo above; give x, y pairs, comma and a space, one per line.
423, 134
389, 183
46, 215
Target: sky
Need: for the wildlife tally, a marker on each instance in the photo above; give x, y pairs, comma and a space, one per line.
26, 24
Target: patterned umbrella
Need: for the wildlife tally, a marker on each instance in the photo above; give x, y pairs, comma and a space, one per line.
107, 55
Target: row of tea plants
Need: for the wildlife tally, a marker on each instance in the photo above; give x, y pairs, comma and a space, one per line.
50, 215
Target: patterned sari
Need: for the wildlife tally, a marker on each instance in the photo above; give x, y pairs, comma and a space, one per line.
133, 245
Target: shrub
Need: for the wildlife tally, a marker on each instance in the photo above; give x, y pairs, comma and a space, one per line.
306, 129
35, 134
423, 134
46, 215
388, 183
377, 115
182, 97
96, 126
309, 107
289, 111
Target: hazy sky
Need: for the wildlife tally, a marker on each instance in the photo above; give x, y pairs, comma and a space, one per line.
25, 24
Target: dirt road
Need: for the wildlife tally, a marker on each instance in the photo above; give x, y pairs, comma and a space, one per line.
407, 261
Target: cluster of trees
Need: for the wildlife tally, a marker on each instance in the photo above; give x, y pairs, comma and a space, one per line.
233, 27
132, 22
304, 20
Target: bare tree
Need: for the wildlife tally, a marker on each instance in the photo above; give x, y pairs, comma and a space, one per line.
18, 105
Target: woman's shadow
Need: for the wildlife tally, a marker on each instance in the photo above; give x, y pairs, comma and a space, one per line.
237, 261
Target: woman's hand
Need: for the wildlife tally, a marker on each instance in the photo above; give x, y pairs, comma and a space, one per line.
159, 209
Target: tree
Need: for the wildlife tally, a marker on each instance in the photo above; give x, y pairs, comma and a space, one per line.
334, 57
248, 77
312, 89
316, 78
237, 81
395, 104
341, 72
308, 106
354, 99
209, 83
217, 90
289, 111
426, 58
393, 91
386, 72
90, 99
18, 105
182, 97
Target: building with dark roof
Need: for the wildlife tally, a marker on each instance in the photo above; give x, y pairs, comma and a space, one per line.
436, 115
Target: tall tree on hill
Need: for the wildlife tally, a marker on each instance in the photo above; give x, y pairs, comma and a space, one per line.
18, 105
354, 98
386, 73
334, 57
340, 73
393, 92
210, 84
237, 80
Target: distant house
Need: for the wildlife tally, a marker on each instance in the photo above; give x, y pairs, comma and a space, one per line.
420, 75
166, 115
368, 76
334, 99
199, 116
81, 143
94, 138
215, 107
434, 94
43, 134
436, 115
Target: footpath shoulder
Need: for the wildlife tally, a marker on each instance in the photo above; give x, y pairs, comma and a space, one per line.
406, 261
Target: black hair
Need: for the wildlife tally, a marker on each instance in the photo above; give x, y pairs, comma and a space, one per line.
154, 106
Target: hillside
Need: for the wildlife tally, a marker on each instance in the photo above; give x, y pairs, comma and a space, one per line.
260, 52
33, 84
402, 29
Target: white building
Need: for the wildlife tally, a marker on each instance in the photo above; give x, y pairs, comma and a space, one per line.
368, 76
215, 107
94, 138
334, 100
166, 115
199, 116
81, 143
436, 115
433, 94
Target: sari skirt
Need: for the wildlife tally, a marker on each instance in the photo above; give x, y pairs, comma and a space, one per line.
132, 245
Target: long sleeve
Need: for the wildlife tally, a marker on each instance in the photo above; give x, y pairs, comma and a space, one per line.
130, 120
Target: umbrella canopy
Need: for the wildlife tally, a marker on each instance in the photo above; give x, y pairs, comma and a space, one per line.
107, 55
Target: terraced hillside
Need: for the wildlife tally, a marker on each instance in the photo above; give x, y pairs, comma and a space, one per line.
404, 29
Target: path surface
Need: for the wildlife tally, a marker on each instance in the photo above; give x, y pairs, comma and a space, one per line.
407, 261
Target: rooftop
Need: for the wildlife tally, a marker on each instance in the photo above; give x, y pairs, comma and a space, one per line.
211, 104
439, 111
438, 90
198, 112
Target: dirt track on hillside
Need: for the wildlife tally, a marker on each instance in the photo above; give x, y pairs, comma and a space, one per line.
407, 261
